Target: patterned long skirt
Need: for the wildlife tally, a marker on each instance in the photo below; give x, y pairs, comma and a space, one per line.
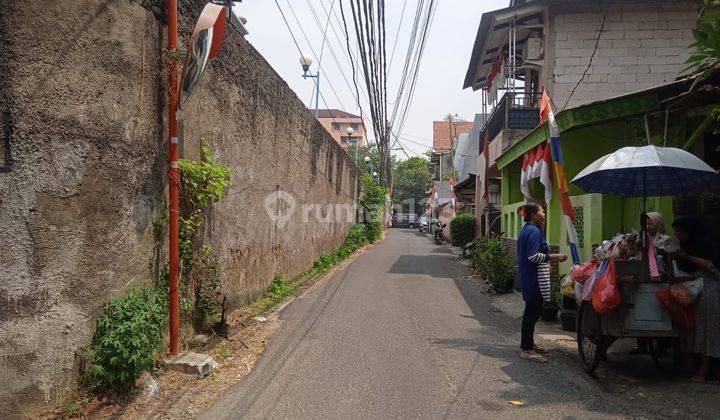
707, 318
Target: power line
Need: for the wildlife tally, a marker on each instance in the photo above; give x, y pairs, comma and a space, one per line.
287, 24
397, 34
332, 51
312, 50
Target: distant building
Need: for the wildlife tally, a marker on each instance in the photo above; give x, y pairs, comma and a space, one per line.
445, 133
336, 123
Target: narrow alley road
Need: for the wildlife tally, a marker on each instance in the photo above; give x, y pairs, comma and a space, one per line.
401, 332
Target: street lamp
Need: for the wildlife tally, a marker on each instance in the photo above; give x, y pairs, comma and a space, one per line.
349, 132
305, 61
367, 162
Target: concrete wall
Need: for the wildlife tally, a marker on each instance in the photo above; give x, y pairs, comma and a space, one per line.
82, 109
643, 44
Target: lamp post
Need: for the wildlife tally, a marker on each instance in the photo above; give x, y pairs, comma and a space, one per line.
305, 62
349, 132
367, 162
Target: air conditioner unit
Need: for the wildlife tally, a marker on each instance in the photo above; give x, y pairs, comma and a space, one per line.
532, 51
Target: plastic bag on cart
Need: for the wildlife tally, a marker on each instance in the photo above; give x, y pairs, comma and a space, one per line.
567, 286
606, 296
683, 316
589, 286
578, 293
687, 293
581, 273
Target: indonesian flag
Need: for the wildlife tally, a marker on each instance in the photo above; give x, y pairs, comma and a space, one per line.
537, 162
546, 114
545, 165
524, 186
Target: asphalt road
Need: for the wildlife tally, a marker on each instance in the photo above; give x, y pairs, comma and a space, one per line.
401, 332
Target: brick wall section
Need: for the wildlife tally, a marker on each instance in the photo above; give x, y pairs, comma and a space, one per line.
643, 44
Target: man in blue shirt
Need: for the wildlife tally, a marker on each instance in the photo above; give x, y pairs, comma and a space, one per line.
534, 259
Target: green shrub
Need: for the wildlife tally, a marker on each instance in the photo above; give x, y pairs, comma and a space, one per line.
462, 229
491, 262
374, 230
357, 236
127, 336
278, 289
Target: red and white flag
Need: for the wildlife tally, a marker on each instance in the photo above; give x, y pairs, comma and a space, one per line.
545, 165
537, 164
524, 186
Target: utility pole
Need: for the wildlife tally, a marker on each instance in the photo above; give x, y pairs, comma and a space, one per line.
173, 181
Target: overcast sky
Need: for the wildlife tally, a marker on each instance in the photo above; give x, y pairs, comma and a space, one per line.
444, 63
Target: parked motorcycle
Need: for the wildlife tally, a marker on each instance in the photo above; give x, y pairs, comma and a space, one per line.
438, 235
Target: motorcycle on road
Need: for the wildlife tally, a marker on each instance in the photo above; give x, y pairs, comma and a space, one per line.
438, 234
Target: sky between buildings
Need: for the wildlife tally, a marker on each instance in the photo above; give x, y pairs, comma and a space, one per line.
439, 84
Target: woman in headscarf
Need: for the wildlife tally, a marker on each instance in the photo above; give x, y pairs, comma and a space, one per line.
655, 229
700, 256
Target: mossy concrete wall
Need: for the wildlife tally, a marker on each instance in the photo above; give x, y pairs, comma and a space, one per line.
82, 107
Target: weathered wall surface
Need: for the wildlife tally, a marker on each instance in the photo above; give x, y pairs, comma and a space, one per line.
643, 44
81, 102
255, 124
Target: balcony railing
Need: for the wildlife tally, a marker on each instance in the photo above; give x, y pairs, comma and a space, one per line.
516, 110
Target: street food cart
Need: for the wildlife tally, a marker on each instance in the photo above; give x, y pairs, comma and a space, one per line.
639, 315
636, 172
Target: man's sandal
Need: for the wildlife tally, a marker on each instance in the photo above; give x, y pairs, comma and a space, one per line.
533, 357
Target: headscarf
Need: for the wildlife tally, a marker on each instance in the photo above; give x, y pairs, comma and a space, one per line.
658, 221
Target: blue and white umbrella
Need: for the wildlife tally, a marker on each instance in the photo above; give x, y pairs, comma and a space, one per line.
647, 171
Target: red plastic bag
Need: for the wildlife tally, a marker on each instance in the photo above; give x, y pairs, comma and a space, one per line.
581, 273
684, 317
606, 296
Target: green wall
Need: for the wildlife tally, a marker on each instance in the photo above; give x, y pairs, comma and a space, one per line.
602, 215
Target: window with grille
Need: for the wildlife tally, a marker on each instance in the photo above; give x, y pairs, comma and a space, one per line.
580, 225
336, 126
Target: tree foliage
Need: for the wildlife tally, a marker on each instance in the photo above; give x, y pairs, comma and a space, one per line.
412, 181
372, 203
707, 40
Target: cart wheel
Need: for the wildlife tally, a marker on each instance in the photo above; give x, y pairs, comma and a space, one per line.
589, 339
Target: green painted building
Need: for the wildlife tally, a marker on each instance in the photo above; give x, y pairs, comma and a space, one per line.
667, 115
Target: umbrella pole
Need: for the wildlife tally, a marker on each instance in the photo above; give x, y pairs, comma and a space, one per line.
645, 261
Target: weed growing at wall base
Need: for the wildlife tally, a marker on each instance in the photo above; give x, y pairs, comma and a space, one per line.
128, 335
